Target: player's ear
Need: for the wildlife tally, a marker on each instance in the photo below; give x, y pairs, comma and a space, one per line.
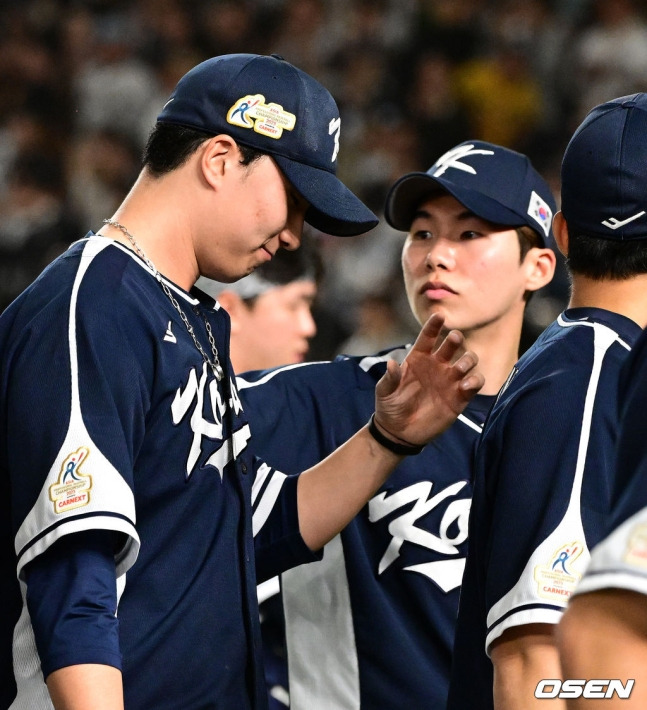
560, 232
219, 155
540, 265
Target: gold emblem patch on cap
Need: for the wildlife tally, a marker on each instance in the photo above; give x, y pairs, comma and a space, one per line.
270, 120
72, 490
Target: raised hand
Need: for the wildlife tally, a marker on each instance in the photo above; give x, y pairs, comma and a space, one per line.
416, 401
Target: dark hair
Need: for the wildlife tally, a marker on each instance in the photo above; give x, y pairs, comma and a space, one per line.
529, 239
169, 146
288, 266
600, 258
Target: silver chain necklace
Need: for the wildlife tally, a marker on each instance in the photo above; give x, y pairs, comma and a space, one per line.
214, 364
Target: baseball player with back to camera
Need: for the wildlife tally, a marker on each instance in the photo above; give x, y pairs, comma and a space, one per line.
545, 459
608, 610
372, 624
135, 505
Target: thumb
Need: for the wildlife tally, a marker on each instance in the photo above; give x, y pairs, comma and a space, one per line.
390, 380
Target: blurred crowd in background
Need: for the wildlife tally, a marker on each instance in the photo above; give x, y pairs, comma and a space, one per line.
81, 83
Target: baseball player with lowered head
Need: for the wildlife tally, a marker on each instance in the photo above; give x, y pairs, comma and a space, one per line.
271, 321
372, 624
271, 309
134, 504
545, 461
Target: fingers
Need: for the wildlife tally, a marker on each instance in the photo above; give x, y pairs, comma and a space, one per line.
466, 362
447, 346
471, 380
450, 347
430, 335
472, 384
390, 380
421, 398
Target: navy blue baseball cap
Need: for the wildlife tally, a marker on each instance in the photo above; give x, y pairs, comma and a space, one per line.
268, 104
497, 184
604, 171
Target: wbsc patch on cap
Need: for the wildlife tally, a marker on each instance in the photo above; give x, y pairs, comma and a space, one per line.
270, 120
539, 210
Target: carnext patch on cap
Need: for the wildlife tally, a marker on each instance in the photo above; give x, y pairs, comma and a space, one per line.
270, 120
539, 210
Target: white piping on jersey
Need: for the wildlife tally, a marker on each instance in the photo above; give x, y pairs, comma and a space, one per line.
243, 384
259, 480
90, 251
268, 499
268, 496
365, 364
570, 528
470, 423
180, 292
268, 589
398, 354
569, 324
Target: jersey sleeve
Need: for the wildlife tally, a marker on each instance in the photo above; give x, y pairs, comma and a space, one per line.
291, 411
77, 404
536, 549
72, 600
620, 560
285, 408
278, 543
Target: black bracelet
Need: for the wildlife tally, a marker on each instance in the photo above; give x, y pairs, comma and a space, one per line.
392, 446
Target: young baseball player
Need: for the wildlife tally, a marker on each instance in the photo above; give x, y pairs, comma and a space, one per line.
128, 574
545, 459
372, 624
270, 310
608, 610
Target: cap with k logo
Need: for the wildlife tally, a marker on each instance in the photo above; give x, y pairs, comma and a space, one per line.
497, 184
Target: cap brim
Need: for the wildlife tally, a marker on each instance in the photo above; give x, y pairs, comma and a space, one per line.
409, 191
334, 209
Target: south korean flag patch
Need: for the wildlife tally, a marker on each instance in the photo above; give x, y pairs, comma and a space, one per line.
540, 212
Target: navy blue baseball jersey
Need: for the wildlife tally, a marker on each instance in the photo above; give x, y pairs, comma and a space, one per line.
372, 624
620, 560
541, 489
112, 421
